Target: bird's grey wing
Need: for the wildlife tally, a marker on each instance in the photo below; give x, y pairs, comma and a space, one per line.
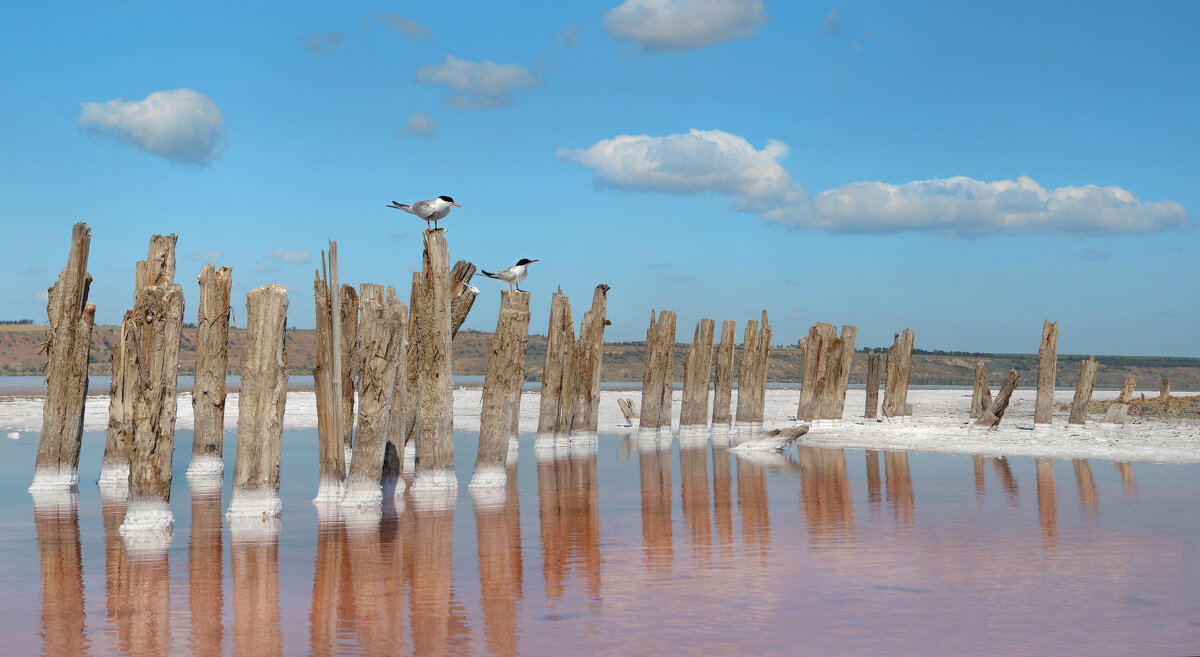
422, 209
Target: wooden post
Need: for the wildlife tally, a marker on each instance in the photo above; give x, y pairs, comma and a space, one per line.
723, 375
114, 469
348, 330
813, 349
874, 372
1083, 391
991, 417
379, 341
331, 457
752, 371
408, 407
1164, 393
393, 457
501, 389
981, 397
659, 371
849, 334
462, 294
696, 368
212, 360
435, 387
898, 369
589, 354
759, 375
560, 341
1043, 412
67, 342
1117, 411
260, 406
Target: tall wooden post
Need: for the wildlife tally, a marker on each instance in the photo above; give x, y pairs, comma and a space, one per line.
898, 370
874, 372
723, 375
1164, 393
981, 396
589, 354
831, 367
347, 319
758, 375
114, 469
261, 405
327, 383
746, 366
501, 389
212, 360
813, 348
991, 417
849, 334
1118, 410
658, 376
70, 335
560, 341
696, 368
435, 387
1083, 391
1043, 411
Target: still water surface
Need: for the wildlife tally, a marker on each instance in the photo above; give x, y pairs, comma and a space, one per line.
629, 547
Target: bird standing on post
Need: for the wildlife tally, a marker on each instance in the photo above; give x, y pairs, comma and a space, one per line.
431, 210
511, 275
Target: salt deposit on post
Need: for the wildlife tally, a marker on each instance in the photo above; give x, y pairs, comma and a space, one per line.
212, 360
502, 389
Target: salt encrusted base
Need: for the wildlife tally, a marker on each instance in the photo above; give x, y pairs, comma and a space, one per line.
205, 465
260, 502
747, 431
409, 463
1105, 426
722, 438
329, 491
57, 500
245, 530
490, 476
654, 433
113, 472
1043, 429
488, 498
430, 479
360, 493
64, 478
148, 526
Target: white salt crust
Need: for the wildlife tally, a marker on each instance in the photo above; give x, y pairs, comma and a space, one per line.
361, 493
56, 500
64, 478
263, 503
249, 530
147, 545
329, 491
205, 465
488, 498
491, 476
361, 518
113, 473
434, 499
147, 516
514, 451
429, 479
348, 454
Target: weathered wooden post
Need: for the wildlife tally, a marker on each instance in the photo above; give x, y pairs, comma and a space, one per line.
981, 396
696, 368
658, 376
501, 389
1119, 409
849, 334
260, 406
586, 365
393, 451
898, 370
380, 337
347, 319
70, 335
114, 469
326, 382
212, 360
991, 417
1083, 391
723, 376
560, 341
874, 372
813, 348
435, 387
462, 294
752, 372
762, 350
1164, 393
1043, 411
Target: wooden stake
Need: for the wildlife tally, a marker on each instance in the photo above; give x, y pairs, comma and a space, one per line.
212, 361
752, 372
560, 341
991, 417
658, 376
331, 457
827, 394
393, 458
849, 334
587, 361
348, 330
1083, 391
696, 368
435, 387
1117, 412
813, 349
1164, 393
898, 369
1043, 412
981, 397
67, 342
874, 372
501, 389
723, 375
114, 469
260, 406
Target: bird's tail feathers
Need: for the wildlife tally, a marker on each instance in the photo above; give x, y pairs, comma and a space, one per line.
400, 206
487, 273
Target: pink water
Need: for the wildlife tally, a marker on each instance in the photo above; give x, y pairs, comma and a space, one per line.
632, 549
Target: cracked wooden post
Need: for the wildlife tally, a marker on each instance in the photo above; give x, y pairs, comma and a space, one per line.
114, 469
991, 417
1118, 410
67, 342
812, 347
1083, 391
694, 409
408, 405
379, 341
462, 294
331, 456
874, 372
658, 376
212, 361
831, 367
981, 396
348, 330
560, 341
1043, 412
260, 406
752, 372
849, 335
393, 456
435, 387
336, 424
502, 380
586, 365
158, 311
758, 375
1164, 393
898, 371
723, 375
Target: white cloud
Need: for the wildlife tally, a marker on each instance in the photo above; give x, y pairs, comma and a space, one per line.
404, 26
211, 255
181, 125
289, 256
568, 37
421, 124
681, 25
477, 85
832, 24
720, 162
318, 44
693, 163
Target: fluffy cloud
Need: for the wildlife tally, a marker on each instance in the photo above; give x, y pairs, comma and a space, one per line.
832, 24
681, 25
404, 26
568, 37
289, 256
715, 161
181, 125
477, 85
693, 163
421, 124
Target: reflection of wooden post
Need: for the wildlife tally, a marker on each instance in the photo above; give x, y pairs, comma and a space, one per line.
503, 376
326, 381
330, 576
1047, 369
753, 507
874, 487
67, 342
991, 417
723, 498
212, 360
981, 397
432, 579
659, 371
1083, 391
147, 605
899, 370
56, 520
723, 375
498, 535
560, 341
874, 370
654, 465
256, 616
696, 368
899, 486
693, 486
260, 405
1088, 497
977, 461
1047, 502
205, 597
1119, 409
435, 387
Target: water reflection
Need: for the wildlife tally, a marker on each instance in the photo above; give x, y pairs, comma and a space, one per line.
205, 595
1047, 502
1089, 499
654, 466
697, 509
1126, 471
112, 511
752, 505
56, 519
826, 496
498, 533
899, 487
569, 515
254, 556
1007, 481
437, 619
874, 496
144, 618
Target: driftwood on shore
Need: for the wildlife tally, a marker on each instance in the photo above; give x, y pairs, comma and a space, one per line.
1043, 412
991, 417
723, 375
212, 361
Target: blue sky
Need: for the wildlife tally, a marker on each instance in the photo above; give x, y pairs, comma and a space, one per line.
963, 169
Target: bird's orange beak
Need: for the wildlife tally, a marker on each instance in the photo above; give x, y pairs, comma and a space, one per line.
455, 204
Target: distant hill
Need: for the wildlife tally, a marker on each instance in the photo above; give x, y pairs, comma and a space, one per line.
20, 353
